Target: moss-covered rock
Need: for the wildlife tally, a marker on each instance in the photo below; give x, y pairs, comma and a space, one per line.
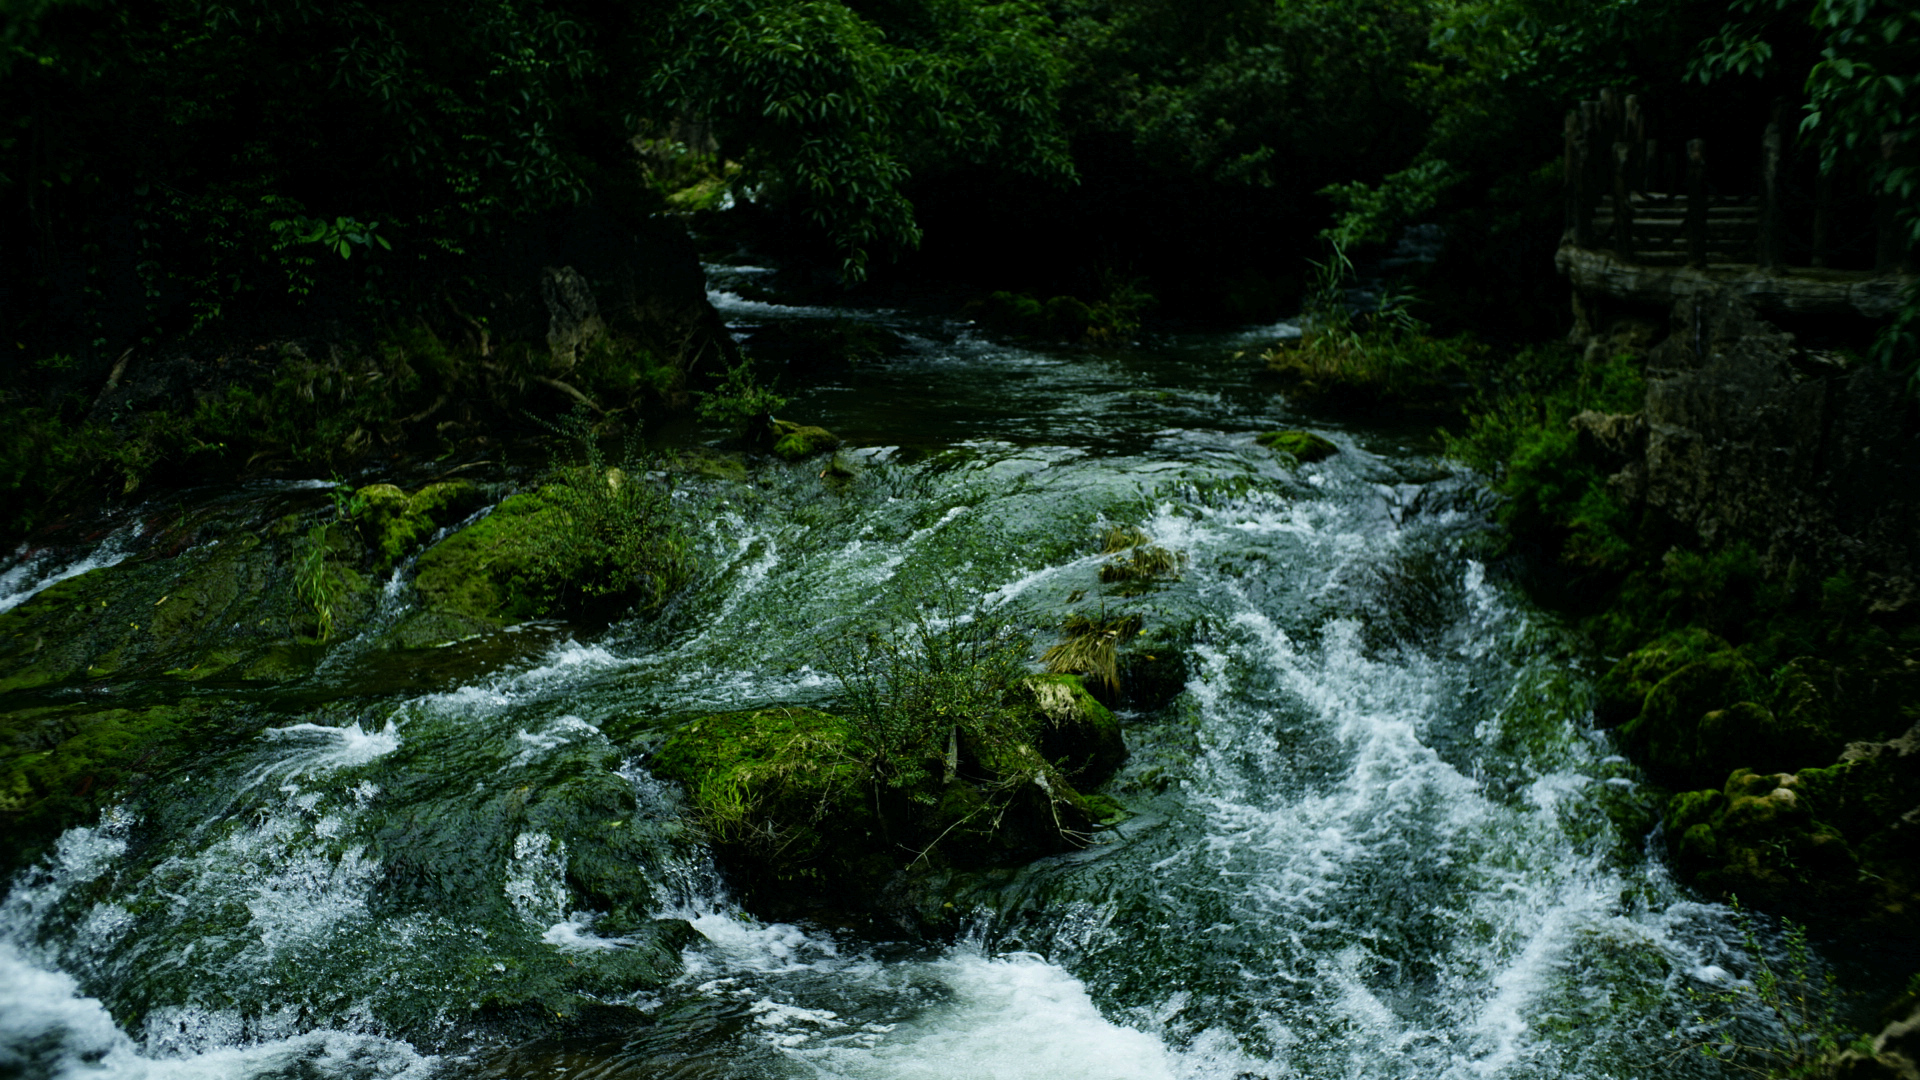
796, 442
806, 346
1077, 733
60, 765
1667, 735
1840, 837
483, 576
594, 546
786, 794
1304, 446
200, 614
395, 524
802, 815
1759, 838
1622, 692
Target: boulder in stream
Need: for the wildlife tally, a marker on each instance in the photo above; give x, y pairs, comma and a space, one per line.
804, 813
1304, 446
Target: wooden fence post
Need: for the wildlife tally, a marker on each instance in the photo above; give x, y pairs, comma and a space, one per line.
1696, 223
1822, 217
1582, 174
1633, 129
1892, 244
1772, 240
1572, 174
1622, 202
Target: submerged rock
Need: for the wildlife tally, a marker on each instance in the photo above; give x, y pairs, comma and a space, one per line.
1304, 446
60, 765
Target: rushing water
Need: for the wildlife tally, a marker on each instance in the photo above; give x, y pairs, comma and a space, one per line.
1373, 833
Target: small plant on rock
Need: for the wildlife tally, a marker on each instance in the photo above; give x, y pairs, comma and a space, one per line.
740, 401
622, 536
1777, 1023
915, 692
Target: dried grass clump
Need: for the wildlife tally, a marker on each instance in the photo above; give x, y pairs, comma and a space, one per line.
1142, 564
1092, 647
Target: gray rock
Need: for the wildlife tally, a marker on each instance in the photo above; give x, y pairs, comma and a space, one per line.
573, 314
1748, 437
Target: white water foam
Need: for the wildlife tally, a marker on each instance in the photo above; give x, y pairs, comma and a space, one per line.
1013, 1017
34, 571
319, 749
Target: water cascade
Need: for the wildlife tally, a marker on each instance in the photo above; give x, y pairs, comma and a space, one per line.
1372, 832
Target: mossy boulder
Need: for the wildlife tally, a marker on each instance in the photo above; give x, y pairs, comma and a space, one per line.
592, 547
1076, 733
395, 524
1840, 836
1622, 691
1759, 839
796, 442
806, 346
802, 814
484, 576
1667, 737
786, 794
1303, 446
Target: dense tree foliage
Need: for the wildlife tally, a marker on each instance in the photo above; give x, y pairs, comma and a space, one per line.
164, 165
183, 165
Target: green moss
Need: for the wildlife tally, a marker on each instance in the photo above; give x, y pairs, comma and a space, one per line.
192, 616
804, 810
1303, 446
1622, 692
483, 576
795, 442
787, 791
595, 544
1076, 733
1341, 367
59, 766
1666, 736
1115, 317
395, 524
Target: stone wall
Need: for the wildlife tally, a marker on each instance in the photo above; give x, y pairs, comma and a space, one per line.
1747, 437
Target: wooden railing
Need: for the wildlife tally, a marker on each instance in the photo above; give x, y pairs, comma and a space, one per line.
1652, 205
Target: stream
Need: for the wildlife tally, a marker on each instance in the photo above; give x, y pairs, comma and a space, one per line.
1373, 832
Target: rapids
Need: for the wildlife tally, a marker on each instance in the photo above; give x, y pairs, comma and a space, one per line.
1373, 832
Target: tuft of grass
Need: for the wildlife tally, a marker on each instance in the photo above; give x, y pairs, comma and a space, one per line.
1092, 645
623, 538
914, 692
1142, 566
313, 581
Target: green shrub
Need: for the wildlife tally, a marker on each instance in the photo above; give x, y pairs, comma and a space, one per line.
621, 536
915, 690
740, 402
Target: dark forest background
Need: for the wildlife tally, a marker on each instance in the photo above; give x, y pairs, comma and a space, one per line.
193, 179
